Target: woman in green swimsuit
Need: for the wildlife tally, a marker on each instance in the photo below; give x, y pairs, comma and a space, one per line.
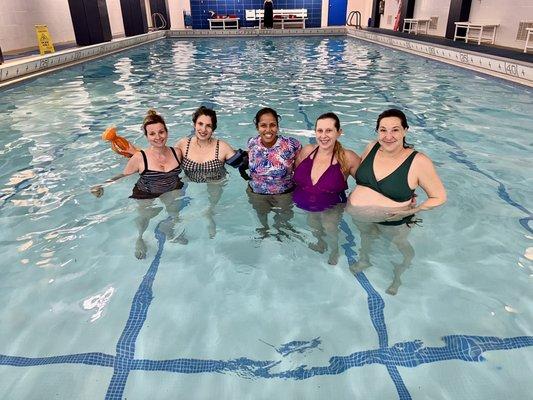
389, 173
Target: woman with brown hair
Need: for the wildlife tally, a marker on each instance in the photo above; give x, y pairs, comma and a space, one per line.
382, 203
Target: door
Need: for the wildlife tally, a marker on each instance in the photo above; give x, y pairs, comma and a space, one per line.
337, 12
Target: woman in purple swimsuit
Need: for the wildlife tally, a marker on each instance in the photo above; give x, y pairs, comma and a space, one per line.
322, 170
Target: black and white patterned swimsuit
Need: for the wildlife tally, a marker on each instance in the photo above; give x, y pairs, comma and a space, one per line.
152, 184
208, 171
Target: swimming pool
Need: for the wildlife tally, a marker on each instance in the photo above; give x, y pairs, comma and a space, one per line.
250, 318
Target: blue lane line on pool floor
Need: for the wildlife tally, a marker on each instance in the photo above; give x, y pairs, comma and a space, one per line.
138, 313
459, 156
406, 354
376, 304
468, 348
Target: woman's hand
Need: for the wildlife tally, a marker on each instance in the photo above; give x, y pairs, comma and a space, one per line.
397, 215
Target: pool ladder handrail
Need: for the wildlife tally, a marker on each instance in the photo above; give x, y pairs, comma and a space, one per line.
162, 20
357, 24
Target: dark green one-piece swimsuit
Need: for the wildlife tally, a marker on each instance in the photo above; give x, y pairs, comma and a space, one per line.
394, 186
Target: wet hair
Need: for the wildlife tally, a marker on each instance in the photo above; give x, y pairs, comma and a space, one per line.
202, 110
152, 117
393, 112
338, 149
263, 111
330, 115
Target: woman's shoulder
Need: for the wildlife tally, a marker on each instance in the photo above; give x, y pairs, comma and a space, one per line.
308, 149
224, 145
291, 142
368, 147
420, 160
182, 141
351, 155
253, 141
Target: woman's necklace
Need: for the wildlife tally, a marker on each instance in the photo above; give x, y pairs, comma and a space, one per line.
161, 158
205, 145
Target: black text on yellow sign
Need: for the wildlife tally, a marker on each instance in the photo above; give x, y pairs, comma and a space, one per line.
44, 39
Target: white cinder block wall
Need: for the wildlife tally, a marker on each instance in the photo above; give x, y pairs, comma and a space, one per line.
425, 9
506, 13
364, 7
115, 18
18, 20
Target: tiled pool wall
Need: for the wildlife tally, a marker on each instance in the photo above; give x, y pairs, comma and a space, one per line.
200, 10
17, 70
511, 70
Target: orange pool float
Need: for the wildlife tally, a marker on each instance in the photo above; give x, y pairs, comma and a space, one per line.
118, 143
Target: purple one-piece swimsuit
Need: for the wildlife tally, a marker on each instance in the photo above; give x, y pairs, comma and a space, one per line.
326, 193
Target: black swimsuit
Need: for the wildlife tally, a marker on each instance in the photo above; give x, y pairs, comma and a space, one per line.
152, 184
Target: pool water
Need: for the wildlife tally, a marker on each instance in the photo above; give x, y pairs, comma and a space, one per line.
243, 317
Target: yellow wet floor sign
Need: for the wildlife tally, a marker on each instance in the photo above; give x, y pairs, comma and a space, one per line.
44, 39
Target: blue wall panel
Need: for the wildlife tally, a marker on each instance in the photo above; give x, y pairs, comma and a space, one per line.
200, 10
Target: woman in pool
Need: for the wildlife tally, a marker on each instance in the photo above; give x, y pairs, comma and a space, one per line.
320, 176
271, 162
204, 157
159, 168
389, 173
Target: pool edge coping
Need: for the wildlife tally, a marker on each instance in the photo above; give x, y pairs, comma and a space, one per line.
519, 72
495, 66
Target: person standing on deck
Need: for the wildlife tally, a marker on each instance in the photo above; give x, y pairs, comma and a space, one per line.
268, 8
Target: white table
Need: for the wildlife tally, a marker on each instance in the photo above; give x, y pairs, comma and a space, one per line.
476, 32
411, 25
226, 23
528, 36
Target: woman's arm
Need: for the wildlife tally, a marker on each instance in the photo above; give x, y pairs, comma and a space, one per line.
427, 178
131, 167
225, 151
430, 182
353, 161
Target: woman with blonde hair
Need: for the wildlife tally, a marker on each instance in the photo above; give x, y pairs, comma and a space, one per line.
159, 167
321, 174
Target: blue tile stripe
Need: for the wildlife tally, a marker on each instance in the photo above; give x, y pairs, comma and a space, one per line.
139, 310
376, 304
405, 354
411, 354
101, 359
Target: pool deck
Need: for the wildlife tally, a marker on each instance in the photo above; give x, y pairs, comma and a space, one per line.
504, 52
507, 64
